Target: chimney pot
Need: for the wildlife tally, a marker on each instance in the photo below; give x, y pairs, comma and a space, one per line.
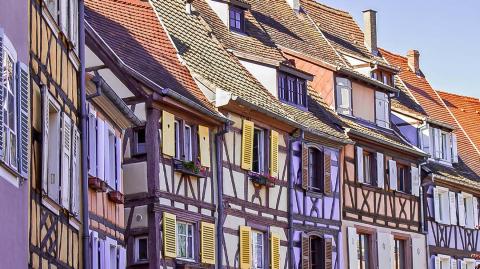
370, 24
413, 57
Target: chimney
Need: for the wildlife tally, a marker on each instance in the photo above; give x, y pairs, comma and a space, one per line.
294, 4
370, 24
188, 7
413, 57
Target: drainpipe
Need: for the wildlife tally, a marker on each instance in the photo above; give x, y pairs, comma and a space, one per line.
422, 217
291, 189
219, 174
83, 128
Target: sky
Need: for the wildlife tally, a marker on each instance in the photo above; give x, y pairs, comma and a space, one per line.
445, 32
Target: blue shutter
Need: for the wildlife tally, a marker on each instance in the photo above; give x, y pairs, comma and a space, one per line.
23, 95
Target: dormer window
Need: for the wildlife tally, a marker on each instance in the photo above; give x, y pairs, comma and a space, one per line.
444, 145
237, 19
343, 94
292, 89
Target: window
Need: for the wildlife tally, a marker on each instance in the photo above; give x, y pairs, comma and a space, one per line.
399, 254
187, 143
110, 160
177, 140
382, 109
315, 169
237, 19
113, 257
368, 163
468, 206
442, 262
258, 162
141, 249
443, 146
185, 243
65, 13
92, 143
292, 90
442, 205
402, 178
9, 107
343, 96
257, 250
363, 250
317, 252
53, 162
183, 136
140, 140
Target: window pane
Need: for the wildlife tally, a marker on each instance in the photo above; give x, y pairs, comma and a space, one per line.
142, 249
188, 143
257, 165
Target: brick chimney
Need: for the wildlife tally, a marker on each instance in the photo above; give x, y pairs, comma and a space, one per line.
294, 4
413, 57
370, 24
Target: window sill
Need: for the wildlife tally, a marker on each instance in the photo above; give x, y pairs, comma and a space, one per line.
261, 180
10, 175
315, 194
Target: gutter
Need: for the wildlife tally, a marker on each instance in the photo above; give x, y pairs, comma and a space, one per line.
84, 144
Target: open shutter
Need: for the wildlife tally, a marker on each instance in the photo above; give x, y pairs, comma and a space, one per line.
45, 125
392, 172
475, 212
203, 134
454, 149
328, 253
102, 254
92, 141
118, 164
207, 241
352, 247
384, 248
305, 251
122, 258
359, 166
304, 166
425, 134
66, 159
247, 145
453, 263
449, 147
380, 170
245, 247
461, 210
453, 207
64, 16
168, 133
436, 262
415, 180
275, 251
436, 136
274, 153
75, 171
94, 250
463, 264
436, 205
107, 154
23, 92
169, 235
327, 173
418, 252
100, 149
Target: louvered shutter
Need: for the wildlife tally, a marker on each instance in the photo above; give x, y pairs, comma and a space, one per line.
453, 207
100, 149
275, 251
305, 165
168, 133
454, 149
118, 164
392, 172
122, 258
436, 204
169, 235
352, 247
247, 144
66, 160
418, 252
305, 251
274, 153
328, 253
94, 248
327, 173
203, 134
461, 210
359, 166
384, 248
92, 141
415, 180
45, 125
76, 171
207, 248
2, 93
436, 262
380, 170
23, 92
475, 212
245, 247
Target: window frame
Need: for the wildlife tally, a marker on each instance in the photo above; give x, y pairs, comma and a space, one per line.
254, 248
400, 253
368, 169
137, 147
136, 249
71, 27
180, 127
320, 255
188, 147
53, 104
444, 204
368, 249
403, 184
319, 168
187, 225
241, 20
260, 155
338, 95
288, 90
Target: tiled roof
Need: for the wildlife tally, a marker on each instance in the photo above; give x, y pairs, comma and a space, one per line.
404, 102
456, 174
132, 31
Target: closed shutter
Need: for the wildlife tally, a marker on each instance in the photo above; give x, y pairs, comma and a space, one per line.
380, 170
118, 164
305, 251
392, 171
75, 171
92, 141
274, 153
247, 145
418, 252
102, 254
245, 247
94, 249
436, 262
475, 212
107, 255
454, 149
305, 166
122, 258
425, 135
23, 93
436, 205
461, 210
64, 16
463, 265
453, 263
359, 166
415, 180
66, 159
169, 235
275, 251
168, 133
74, 22
45, 125
384, 248
207, 241
204, 137
100, 149
352, 247
328, 253
453, 207
327, 173
381, 109
2, 93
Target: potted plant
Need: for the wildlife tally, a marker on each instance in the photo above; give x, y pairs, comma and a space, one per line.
97, 184
116, 197
261, 179
189, 168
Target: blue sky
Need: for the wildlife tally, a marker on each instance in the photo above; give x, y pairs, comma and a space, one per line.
446, 32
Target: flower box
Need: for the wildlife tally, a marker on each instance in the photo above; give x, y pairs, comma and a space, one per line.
116, 197
97, 184
189, 168
264, 180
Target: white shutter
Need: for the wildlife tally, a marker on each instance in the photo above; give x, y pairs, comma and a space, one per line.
384, 248
425, 135
415, 180
118, 164
76, 171
64, 16
360, 165
381, 109
92, 141
45, 125
23, 92
352, 247
100, 149
453, 207
122, 258
437, 141
103, 255
94, 248
461, 209
66, 159
73, 31
448, 149
418, 252
454, 149
436, 204
106, 149
453, 263
380, 170
392, 169
463, 264
436, 262
475, 212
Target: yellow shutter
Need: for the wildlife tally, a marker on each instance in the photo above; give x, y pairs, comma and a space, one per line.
247, 145
275, 251
245, 247
168, 133
204, 144
207, 247
274, 153
169, 235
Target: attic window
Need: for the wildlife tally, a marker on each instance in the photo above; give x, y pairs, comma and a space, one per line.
292, 89
237, 19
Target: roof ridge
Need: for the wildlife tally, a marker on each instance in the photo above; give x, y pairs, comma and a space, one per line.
136, 3
394, 54
459, 95
330, 9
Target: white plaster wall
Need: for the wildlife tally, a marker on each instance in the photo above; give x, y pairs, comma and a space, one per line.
221, 9
135, 177
266, 75
140, 217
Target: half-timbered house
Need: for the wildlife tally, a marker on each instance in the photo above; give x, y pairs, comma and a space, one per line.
55, 186
450, 176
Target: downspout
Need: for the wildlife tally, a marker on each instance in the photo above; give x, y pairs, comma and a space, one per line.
219, 173
291, 140
424, 230
84, 145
